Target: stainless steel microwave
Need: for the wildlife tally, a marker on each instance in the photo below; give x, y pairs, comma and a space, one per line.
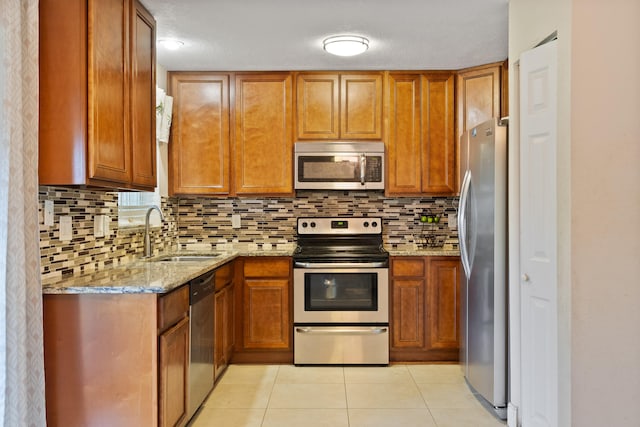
339, 165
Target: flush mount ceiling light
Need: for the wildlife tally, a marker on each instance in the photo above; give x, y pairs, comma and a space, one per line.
171, 44
346, 45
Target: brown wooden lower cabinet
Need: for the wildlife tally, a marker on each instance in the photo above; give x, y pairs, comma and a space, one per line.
263, 311
116, 359
425, 309
224, 315
173, 374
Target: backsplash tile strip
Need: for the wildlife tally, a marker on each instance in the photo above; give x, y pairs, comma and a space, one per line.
86, 253
207, 222
273, 220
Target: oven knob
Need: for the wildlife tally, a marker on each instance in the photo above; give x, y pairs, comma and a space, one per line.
304, 225
313, 225
374, 224
366, 224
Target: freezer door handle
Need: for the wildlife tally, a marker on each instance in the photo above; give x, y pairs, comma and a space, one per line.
343, 330
462, 223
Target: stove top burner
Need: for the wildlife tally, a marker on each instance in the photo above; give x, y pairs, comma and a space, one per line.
357, 239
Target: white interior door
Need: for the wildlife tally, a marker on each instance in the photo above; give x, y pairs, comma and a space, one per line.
538, 225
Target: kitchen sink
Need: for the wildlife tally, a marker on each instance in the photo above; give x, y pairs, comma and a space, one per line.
185, 258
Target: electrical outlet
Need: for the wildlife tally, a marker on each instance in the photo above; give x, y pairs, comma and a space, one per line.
66, 229
452, 220
48, 213
236, 221
98, 226
106, 226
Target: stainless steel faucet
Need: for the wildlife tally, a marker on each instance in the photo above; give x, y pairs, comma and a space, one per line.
147, 239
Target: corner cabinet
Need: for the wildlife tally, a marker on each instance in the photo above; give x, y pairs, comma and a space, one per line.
264, 324
199, 151
425, 309
421, 135
339, 106
263, 138
97, 94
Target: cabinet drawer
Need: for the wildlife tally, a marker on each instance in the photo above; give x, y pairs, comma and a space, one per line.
172, 307
412, 267
224, 276
269, 267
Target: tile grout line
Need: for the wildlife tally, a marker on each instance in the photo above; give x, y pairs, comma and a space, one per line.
275, 379
426, 404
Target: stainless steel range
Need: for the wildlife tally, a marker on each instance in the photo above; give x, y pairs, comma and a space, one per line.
341, 292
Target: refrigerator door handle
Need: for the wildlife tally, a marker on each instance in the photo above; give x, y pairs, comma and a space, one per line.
462, 223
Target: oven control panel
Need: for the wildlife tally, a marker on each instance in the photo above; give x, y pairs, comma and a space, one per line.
340, 226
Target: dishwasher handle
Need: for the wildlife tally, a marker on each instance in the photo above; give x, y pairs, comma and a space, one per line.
202, 287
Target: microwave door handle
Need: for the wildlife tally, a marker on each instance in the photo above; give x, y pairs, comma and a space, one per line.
363, 167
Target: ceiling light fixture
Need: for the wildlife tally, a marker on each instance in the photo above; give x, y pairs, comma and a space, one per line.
171, 44
346, 45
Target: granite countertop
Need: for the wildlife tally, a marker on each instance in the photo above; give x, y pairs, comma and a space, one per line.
148, 276
423, 252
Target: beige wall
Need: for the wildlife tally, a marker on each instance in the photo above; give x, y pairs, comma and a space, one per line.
598, 175
605, 178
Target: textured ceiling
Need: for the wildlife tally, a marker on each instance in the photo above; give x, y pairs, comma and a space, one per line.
287, 34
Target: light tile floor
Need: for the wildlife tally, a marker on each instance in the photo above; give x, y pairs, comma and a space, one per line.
398, 395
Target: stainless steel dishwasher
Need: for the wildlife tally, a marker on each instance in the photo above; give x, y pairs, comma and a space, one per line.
201, 336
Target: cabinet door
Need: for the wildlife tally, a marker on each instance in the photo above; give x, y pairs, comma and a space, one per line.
478, 95
317, 106
109, 145
266, 314
199, 148
438, 133
263, 134
404, 140
443, 301
224, 328
361, 106
173, 374
143, 95
408, 288
229, 323
219, 345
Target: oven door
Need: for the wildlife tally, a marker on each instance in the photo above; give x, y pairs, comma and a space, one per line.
340, 295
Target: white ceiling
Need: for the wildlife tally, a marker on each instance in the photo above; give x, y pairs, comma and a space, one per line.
242, 35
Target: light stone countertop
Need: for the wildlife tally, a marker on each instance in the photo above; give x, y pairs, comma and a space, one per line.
423, 252
147, 276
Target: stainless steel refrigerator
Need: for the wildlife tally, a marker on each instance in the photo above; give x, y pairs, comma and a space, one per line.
482, 228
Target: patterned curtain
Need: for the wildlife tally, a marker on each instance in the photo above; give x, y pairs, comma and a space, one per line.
22, 400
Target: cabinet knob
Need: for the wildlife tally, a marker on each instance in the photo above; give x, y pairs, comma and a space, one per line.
525, 277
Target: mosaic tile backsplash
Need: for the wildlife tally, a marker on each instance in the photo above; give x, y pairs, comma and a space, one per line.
196, 222
273, 220
86, 253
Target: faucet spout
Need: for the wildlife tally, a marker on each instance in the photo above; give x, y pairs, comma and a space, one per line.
147, 238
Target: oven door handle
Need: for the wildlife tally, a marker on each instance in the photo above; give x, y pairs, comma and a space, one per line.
379, 264
375, 330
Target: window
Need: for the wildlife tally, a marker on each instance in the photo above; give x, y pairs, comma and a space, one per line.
133, 206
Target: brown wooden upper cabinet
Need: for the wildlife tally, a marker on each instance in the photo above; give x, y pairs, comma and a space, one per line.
479, 95
332, 106
420, 142
97, 94
263, 142
200, 144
